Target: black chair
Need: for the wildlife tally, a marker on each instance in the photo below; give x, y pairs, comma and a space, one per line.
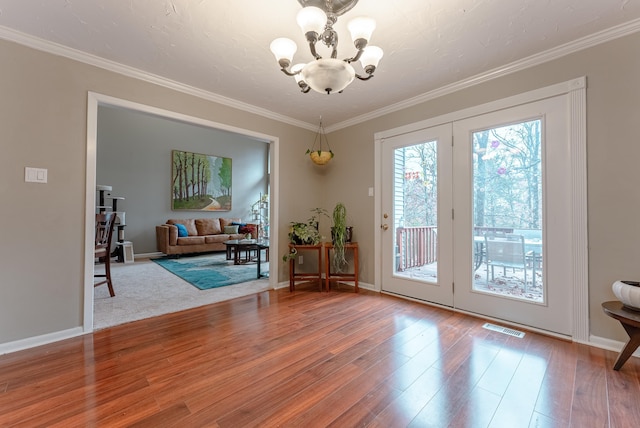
105, 223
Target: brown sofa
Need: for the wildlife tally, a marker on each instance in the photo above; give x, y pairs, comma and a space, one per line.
204, 235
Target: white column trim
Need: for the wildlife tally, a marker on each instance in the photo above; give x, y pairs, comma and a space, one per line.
580, 256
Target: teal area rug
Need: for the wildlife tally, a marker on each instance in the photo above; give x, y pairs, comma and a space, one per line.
211, 270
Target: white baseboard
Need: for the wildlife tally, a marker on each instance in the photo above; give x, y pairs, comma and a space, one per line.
361, 284
148, 255
32, 342
608, 344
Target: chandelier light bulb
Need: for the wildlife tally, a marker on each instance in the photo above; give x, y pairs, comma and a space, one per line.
283, 48
371, 56
311, 19
361, 28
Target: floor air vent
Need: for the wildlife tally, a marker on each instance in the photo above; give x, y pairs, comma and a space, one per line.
504, 330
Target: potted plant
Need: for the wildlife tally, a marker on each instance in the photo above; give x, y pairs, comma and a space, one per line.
340, 235
320, 156
305, 233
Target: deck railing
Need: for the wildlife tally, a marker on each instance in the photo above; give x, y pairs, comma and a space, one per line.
416, 246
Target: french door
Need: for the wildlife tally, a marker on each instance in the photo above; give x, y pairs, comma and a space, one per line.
476, 215
416, 215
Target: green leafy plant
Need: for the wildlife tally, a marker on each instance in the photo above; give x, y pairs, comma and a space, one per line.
339, 236
290, 255
305, 233
319, 152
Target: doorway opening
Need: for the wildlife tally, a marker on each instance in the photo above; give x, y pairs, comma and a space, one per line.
96, 100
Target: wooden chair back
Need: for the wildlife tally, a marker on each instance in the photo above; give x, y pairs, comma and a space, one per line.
105, 223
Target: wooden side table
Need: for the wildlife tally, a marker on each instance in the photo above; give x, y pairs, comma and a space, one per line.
353, 246
630, 321
302, 276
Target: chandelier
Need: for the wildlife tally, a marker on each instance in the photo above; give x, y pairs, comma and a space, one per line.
327, 75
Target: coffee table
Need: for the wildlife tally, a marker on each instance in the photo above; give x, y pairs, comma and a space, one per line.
237, 246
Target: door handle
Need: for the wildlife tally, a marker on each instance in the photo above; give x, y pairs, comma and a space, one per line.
384, 226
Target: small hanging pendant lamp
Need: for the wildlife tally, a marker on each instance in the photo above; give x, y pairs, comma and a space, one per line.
319, 156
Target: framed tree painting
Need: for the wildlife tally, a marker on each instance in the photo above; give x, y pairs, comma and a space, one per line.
200, 182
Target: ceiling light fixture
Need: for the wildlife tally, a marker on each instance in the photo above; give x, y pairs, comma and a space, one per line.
327, 75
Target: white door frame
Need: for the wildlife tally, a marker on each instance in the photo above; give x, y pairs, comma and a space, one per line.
93, 101
576, 90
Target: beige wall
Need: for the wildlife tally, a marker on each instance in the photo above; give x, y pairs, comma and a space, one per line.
43, 122
43, 117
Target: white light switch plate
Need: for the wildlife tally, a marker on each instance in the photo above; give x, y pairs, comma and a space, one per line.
35, 175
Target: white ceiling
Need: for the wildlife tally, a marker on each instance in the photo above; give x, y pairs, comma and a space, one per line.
222, 46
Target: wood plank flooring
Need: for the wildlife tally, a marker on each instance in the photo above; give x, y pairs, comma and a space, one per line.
311, 359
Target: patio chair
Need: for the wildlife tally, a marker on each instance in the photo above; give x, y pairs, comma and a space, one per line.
505, 251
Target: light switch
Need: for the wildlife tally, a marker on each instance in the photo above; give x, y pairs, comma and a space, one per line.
370, 191
35, 175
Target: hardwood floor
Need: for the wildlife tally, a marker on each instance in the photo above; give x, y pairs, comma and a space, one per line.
311, 359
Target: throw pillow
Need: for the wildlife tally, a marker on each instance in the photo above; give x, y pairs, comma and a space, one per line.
208, 226
182, 230
230, 230
189, 223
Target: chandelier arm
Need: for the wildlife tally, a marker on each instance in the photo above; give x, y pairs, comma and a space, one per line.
355, 58
287, 72
312, 48
364, 78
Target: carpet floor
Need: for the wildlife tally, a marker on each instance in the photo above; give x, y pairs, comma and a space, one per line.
144, 290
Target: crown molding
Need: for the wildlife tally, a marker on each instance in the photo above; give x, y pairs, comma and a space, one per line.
522, 64
83, 57
533, 60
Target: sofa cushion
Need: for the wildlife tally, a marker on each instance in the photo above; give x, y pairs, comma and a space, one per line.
208, 226
230, 230
182, 230
216, 239
228, 222
189, 223
191, 240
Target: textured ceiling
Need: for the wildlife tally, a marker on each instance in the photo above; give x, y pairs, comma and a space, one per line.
222, 46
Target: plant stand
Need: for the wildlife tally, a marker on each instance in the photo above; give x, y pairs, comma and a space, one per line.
353, 246
303, 276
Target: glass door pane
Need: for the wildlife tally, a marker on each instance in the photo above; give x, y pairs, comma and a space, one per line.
507, 211
415, 211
